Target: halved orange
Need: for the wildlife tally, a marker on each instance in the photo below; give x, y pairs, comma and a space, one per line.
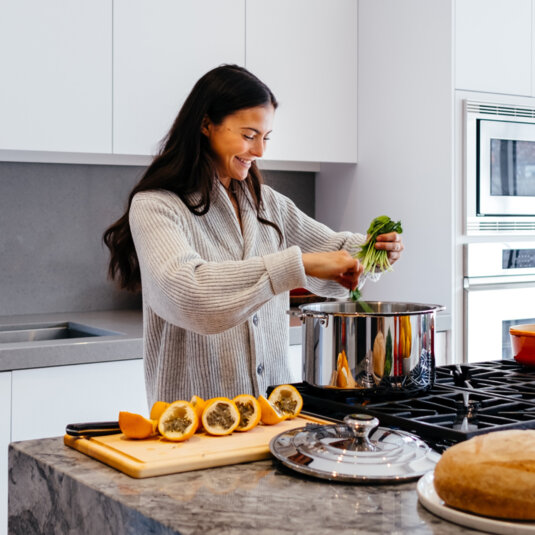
135, 425
270, 414
250, 411
179, 421
220, 416
157, 409
287, 399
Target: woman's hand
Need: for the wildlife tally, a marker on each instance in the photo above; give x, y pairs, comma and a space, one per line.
338, 266
391, 243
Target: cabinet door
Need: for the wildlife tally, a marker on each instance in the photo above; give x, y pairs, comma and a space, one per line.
55, 60
296, 363
45, 400
493, 46
5, 439
306, 52
161, 48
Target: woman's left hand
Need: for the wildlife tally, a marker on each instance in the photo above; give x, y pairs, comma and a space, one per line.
391, 243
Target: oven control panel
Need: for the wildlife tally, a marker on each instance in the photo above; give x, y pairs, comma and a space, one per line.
491, 259
518, 258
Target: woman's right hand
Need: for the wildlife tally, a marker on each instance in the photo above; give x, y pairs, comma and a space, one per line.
338, 266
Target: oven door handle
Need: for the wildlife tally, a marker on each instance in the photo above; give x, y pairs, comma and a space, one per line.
499, 283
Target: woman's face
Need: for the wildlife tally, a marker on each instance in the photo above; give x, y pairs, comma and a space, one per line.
239, 140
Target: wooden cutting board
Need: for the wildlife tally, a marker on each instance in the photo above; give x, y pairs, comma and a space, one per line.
157, 457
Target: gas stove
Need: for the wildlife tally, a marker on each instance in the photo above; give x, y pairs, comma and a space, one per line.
466, 400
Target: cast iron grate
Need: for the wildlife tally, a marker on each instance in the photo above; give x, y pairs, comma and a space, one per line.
503, 392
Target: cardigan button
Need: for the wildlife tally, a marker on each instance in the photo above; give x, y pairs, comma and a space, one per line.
255, 320
260, 369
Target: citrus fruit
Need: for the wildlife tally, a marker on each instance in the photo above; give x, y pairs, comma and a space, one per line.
134, 425
270, 414
179, 421
250, 411
198, 404
287, 399
157, 409
220, 416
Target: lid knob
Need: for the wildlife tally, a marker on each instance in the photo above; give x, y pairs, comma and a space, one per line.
361, 425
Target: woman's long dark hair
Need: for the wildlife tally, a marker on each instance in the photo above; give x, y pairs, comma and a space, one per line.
185, 165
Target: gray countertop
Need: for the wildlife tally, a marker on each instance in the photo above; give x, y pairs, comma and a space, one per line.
126, 342
54, 489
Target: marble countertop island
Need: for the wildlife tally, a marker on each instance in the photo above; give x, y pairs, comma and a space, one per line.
56, 490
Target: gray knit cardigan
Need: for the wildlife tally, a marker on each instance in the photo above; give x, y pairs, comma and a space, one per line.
214, 299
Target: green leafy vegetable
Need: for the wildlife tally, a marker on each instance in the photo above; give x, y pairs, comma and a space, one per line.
373, 259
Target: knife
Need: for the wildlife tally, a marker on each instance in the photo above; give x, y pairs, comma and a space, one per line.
92, 429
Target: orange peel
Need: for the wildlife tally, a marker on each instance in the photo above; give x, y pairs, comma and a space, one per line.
134, 425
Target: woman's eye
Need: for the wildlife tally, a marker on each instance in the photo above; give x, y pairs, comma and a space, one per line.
250, 138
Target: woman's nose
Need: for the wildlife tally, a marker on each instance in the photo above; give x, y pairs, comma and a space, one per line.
257, 149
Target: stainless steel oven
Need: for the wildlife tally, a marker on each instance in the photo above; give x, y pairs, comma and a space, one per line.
499, 291
499, 169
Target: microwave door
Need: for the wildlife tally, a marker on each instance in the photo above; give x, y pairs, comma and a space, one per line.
506, 177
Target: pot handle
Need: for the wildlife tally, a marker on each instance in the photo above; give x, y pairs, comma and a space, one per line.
322, 317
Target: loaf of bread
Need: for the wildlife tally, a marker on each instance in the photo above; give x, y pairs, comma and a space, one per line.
491, 475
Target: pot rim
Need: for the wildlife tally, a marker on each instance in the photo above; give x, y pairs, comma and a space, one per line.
426, 308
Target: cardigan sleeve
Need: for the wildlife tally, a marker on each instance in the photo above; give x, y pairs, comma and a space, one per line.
195, 294
312, 236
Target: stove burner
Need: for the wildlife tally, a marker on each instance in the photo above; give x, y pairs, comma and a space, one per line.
467, 400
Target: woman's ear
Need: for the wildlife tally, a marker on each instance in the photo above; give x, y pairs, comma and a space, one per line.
205, 126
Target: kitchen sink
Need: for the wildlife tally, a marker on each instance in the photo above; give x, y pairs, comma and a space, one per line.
12, 334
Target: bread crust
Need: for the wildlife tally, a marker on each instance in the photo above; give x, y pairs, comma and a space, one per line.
491, 475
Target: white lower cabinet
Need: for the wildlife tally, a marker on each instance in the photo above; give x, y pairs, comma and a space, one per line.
45, 400
296, 363
40, 402
5, 436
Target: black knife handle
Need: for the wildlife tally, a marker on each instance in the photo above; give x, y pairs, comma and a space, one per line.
92, 429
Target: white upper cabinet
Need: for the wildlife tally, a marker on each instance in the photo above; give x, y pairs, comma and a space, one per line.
493, 46
160, 49
306, 52
55, 65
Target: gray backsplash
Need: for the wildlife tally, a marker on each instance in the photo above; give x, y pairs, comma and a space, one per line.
52, 217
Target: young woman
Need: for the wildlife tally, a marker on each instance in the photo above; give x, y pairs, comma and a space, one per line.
215, 252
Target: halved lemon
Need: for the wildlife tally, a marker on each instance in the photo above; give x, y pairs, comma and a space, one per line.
250, 411
270, 414
220, 416
134, 425
287, 399
157, 409
179, 421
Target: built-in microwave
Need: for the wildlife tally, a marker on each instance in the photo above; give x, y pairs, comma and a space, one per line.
499, 169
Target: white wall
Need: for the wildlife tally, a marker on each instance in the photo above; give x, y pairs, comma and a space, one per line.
405, 146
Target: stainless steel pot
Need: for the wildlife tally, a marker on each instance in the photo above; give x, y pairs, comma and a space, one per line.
369, 346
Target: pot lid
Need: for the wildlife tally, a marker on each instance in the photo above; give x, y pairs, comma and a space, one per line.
357, 451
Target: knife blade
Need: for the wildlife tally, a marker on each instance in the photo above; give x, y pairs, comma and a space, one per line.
92, 429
